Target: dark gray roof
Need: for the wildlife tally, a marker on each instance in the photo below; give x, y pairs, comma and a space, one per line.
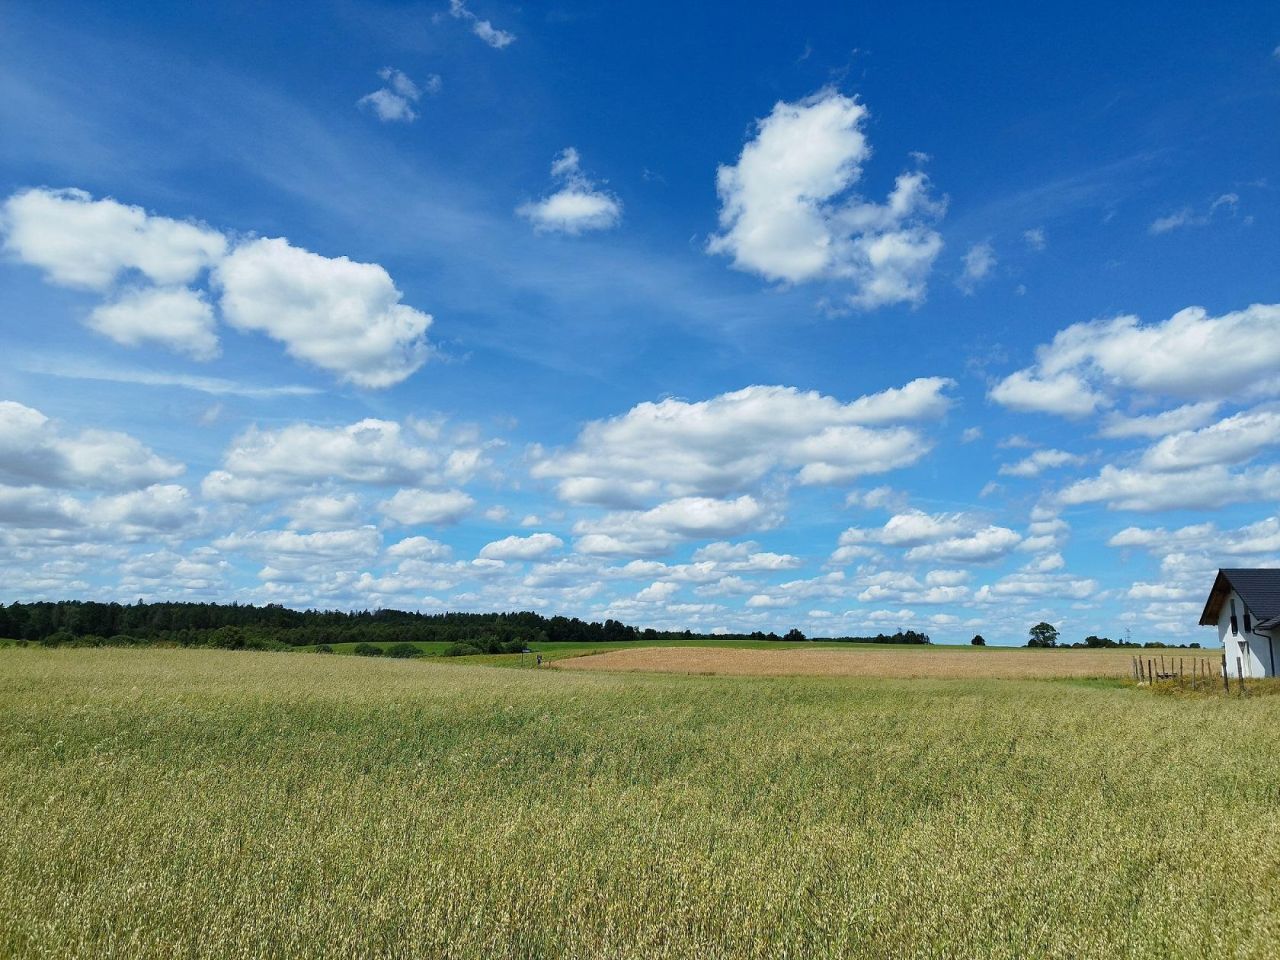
1259, 588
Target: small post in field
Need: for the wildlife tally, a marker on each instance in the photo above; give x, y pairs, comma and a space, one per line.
1150, 672
1240, 676
1226, 681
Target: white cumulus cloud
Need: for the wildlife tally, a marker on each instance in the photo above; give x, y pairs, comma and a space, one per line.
87, 243
532, 547
342, 316
1191, 355
577, 206
715, 447
35, 450
411, 507
789, 211
175, 317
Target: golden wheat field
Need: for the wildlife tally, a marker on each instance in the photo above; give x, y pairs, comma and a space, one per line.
171, 803
902, 663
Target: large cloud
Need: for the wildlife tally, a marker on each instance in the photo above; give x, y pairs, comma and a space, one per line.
1191, 469
1191, 355
261, 464
36, 450
716, 447
331, 312
947, 537
1232, 440
87, 243
788, 211
176, 317
660, 528
287, 546
521, 548
334, 313
415, 507
1202, 488
160, 509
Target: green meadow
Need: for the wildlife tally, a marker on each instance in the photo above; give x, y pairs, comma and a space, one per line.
197, 803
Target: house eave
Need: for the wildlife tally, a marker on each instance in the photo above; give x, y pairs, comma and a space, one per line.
1221, 587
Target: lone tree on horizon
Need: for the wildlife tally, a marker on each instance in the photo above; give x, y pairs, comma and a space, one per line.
978, 640
1043, 635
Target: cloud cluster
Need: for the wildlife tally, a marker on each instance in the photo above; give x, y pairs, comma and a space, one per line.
789, 211
1192, 355
66, 486
657, 530
262, 465
393, 103
716, 447
1040, 461
333, 313
486, 31
36, 450
933, 538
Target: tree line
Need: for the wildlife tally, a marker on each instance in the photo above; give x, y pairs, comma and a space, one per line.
1046, 635
273, 626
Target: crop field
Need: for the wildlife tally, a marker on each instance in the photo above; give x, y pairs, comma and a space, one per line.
898, 662
162, 803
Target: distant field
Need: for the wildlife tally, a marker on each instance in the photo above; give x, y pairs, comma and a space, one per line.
561, 650
898, 662
164, 803
692, 652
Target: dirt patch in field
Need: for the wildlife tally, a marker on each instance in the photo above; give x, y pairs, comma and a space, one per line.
906, 664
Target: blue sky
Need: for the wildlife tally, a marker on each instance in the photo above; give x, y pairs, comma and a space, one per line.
739, 317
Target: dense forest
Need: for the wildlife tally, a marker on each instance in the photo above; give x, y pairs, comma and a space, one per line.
235, 626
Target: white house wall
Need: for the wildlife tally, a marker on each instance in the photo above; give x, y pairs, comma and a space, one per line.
1253, 650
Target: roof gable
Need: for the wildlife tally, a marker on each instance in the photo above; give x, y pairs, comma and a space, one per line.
1259, 588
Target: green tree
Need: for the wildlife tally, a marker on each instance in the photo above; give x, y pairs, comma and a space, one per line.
978, 640
794, 635
1043, 635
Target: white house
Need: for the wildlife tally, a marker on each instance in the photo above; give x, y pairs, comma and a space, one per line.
1245, 607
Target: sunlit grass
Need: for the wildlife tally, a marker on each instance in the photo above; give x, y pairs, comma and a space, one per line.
208, 804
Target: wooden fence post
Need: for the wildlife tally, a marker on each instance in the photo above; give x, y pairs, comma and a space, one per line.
1240, 676
1226, 681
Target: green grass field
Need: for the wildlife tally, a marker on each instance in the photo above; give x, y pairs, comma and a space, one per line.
170, 803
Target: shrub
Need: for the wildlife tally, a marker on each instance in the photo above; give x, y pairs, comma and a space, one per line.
402, 651
324, 648
366, 650
460, 650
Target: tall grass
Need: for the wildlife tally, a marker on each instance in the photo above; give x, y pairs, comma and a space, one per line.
207, 804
